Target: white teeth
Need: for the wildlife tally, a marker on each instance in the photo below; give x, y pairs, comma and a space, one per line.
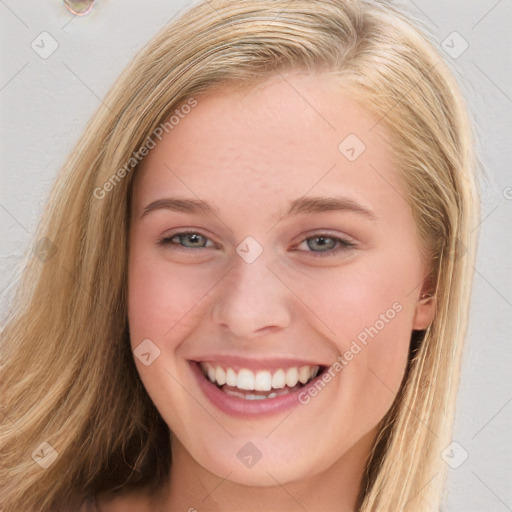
303, 374
262, 380
220, 376
255, 397
230, 377
245, 379
292, 377
278, 379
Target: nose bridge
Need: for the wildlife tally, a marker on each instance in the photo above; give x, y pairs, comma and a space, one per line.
251, 298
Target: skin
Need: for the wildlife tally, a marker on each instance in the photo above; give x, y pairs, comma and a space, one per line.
249, 152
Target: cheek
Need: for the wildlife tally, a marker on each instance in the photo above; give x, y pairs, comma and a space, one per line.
162, 296
163, 304
369, 310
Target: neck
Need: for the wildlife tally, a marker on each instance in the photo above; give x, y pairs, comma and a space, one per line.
193, 488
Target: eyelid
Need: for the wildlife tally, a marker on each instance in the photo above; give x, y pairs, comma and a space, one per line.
326, 233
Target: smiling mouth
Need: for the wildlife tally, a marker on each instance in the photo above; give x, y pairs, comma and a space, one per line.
262, 384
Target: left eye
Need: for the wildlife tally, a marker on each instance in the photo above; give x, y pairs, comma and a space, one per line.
327, 244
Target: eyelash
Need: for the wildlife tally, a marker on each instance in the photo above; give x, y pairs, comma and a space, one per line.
344, 244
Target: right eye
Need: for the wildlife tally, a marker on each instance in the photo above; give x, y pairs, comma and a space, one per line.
181, 240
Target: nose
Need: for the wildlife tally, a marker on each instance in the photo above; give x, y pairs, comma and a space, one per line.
252, 300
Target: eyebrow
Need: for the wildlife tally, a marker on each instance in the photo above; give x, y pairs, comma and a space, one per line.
296, 207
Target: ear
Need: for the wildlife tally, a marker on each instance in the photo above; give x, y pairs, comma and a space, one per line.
425, 307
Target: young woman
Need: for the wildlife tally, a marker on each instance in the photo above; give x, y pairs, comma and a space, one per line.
250, 288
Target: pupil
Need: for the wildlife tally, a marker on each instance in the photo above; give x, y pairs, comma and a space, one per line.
194, 238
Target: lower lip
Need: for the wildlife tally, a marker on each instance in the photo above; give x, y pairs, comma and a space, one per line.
236, 406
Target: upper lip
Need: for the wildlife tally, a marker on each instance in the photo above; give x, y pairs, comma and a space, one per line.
255, 364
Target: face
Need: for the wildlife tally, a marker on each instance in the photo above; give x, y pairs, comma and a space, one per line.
274, 280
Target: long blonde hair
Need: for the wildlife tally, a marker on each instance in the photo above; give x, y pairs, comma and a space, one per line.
68, 378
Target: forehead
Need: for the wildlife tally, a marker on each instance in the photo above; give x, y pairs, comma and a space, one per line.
292, 135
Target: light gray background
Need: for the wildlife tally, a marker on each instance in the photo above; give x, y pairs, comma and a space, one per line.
45, 104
